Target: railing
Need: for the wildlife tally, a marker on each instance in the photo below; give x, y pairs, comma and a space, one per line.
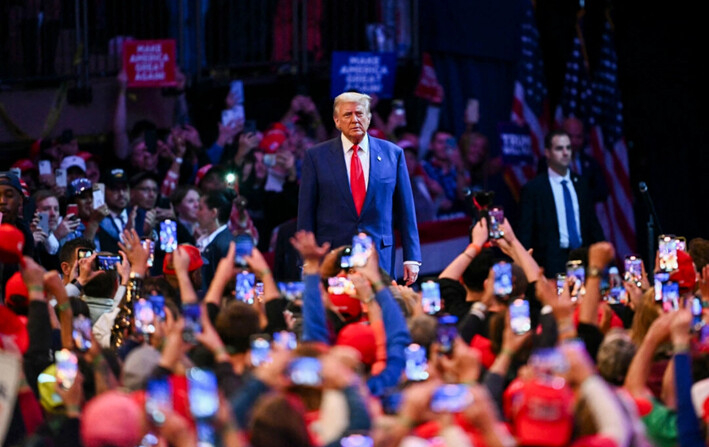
53, 40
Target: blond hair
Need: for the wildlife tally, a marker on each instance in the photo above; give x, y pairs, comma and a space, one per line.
348, 97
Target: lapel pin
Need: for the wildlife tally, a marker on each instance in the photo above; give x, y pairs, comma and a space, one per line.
379, 158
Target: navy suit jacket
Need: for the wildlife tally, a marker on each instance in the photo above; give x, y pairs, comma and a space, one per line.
538, 226
213, 253
326, 207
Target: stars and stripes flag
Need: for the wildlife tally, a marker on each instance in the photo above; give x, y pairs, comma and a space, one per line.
575, 94
530, 104
609, 148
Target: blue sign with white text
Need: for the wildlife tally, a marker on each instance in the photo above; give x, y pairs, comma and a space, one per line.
364, 72
515, 144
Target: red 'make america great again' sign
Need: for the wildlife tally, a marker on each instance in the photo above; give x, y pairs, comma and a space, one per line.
150, 63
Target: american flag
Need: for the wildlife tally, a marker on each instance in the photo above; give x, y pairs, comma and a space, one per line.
608, 147
576, 92
530, 104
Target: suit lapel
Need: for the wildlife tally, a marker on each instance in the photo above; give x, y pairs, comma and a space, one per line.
374, 173
336, 161
550, 204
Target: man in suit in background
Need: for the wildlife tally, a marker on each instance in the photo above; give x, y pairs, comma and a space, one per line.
556, 209
356, 183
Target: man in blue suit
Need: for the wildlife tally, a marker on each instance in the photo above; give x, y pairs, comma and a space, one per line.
357, 183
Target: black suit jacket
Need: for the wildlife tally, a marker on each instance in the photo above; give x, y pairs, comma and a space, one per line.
591, 172
213, 253
538, 226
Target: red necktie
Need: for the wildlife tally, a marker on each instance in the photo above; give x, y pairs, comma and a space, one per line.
359, 190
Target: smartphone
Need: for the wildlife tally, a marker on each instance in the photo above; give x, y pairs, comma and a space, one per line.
357, 441
269, 160
503, 278
144, 316
660, 279
305, 371
258, 289
452, 398
472, 111
496, 215
202, 393
681, 243
244, 247
397, 106
84, 253
667, 249
60, 177
286, 340
158, 396
670, 296
697, 321
151, 141
149, 245
193, 323
99, 198
519, 317
168, 235
431, 297
260, 349
615, 290
43, 223
158, 303
416, 362
560, 283
346, 258
72, 210
576, 274
633, 269
45, 167
548, 362
236, 88
291, 290
340, 285
250, 126
67, 368
446, 333
81, 332
108, 262
361, 249
245, 287
163, 203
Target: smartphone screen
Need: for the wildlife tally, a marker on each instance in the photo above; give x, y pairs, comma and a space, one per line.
503, 278
667, 253
576, 275
168, 236
305, 371
286, 340
81, 332
193, 323
431, 297
158, 303
451, 398
108, 262
60, 177
144, 315
416, 362
519, 317
357, 441
291, 290
560, 283
158, 396
670, 296
99, 198
660, 279
84, 253
446, 333
260, 349
697, 321
245, 282
244, 246
67, 367
615, 291
346, 258
340, 285
496, 216
361, 248
202, 393
45, 167
681, 243
149, 245
633, 269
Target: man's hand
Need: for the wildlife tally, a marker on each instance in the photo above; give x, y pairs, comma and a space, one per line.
411, 273
67, 226
257, 263
680, 326
180, 260
137, 255
600, 254
480, 233
191, 135
149, 222
304, 242
86, 269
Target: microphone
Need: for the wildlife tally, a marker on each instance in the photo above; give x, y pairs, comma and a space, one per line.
642, 187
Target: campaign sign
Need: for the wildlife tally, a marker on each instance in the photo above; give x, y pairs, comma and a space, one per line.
150, 63
515, 143
364, 72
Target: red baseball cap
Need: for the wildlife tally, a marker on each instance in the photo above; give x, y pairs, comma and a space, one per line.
543, 414
12, 241
273, 138
201, 173
361, 337
196, 260
350, 308
16, 294
24, 164
12, 327
686, 274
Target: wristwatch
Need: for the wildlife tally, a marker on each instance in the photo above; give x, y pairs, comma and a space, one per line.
77, 284
594, 272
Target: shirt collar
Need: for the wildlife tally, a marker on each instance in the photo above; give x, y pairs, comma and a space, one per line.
122, 215
208, 240
553, 175
347, 144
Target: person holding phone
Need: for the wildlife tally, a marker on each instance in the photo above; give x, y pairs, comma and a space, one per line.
120, 217
81, 204
47, 243
213, 216
356, 183
556, 212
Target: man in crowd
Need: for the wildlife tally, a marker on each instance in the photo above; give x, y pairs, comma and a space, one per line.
357, 183
120, 215
556, 210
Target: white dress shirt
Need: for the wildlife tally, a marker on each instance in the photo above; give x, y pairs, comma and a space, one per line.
206, 240
558, 190
362, 153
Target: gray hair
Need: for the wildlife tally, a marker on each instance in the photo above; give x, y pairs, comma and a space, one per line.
348, 97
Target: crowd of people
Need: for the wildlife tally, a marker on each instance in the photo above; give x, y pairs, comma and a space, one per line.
163, 295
